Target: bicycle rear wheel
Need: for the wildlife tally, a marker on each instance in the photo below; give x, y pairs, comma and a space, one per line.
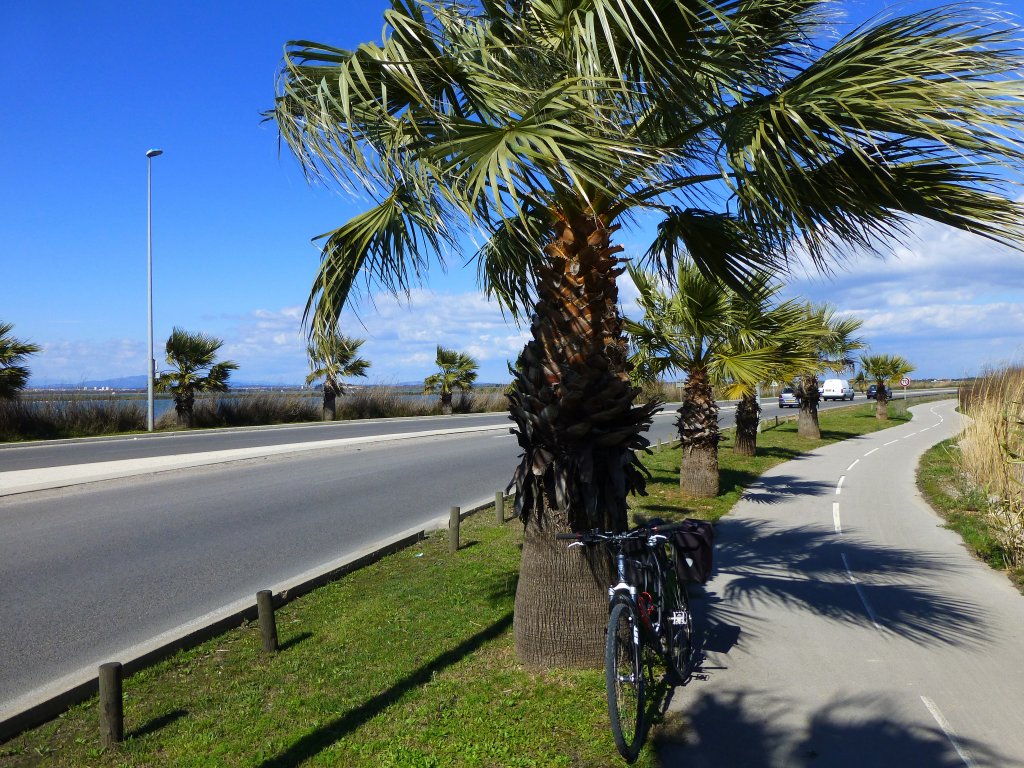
677, 631
624, 679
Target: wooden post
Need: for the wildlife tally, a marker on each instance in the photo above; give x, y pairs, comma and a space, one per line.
111, 704
268, 625
499, 508
453, 529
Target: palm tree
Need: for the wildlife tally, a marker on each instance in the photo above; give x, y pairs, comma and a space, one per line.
548, 124
714, 336
192, 357
333, 356
831, 349
787, 331
886, 370
13, 375
860, 381
456, 370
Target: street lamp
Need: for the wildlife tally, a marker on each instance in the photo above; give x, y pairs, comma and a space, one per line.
149, 293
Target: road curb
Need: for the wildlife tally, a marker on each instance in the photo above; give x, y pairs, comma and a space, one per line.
46, 703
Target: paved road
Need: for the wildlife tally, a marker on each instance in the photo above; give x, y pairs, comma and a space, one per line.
66, 453
846, 627
87, 570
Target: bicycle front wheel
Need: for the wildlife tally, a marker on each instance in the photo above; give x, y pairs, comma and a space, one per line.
624, 679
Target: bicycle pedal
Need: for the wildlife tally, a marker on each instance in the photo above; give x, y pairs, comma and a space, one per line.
680, 618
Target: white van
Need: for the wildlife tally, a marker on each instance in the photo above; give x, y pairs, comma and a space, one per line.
836, 389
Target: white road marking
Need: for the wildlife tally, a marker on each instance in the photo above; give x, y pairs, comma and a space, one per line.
839, 485
871, 451
855, 463
910, 435
860, 593
948, 730
889, 443
835, 518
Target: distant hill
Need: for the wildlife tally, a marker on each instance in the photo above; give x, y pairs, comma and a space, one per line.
139, 382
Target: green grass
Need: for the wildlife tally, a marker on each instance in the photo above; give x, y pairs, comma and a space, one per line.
962, 506
408, 662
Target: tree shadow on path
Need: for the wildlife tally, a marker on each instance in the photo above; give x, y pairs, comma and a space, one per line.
803, 568
749, 729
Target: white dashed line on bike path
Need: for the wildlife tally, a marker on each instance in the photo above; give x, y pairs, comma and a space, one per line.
948, 730
839, 485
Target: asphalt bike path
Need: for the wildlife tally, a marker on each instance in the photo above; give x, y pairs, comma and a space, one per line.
845, 627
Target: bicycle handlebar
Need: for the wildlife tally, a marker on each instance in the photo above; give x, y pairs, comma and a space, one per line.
641, 532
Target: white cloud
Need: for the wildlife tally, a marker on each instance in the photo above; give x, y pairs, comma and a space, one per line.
949, 301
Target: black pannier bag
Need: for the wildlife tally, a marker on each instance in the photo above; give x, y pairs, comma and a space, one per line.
694, 548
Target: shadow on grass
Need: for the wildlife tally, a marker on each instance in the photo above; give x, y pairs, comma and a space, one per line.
156, 723
293, 641
324, 737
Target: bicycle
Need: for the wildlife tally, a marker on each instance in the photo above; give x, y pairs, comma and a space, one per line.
648, 615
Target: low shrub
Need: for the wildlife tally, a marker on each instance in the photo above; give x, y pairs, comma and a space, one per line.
29, 419
249, 410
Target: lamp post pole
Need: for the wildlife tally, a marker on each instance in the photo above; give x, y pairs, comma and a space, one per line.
151, 365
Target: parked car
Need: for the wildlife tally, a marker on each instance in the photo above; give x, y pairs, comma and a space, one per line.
788, 398
837, 389
873, 392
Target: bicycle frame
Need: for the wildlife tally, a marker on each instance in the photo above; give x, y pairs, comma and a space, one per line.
645, 611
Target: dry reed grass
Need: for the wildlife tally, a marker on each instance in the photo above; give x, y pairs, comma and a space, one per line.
991, 451
28, 419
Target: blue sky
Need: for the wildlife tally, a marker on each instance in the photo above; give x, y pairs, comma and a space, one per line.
91, 86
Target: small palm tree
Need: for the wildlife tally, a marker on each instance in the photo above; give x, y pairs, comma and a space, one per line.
457, 370
831, 349
714, 336
785, 330
332, 356
860, 381
13, 375
886, 370
192, 357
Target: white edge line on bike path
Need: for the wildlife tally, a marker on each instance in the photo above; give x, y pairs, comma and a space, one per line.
46, 478
948, 730
49, 700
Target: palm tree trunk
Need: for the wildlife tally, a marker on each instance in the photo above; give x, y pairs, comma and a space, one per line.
184, 408
807, 422
699, 437
748, 415
330, 408
446, 403
561, 605
881, 405
572, 404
